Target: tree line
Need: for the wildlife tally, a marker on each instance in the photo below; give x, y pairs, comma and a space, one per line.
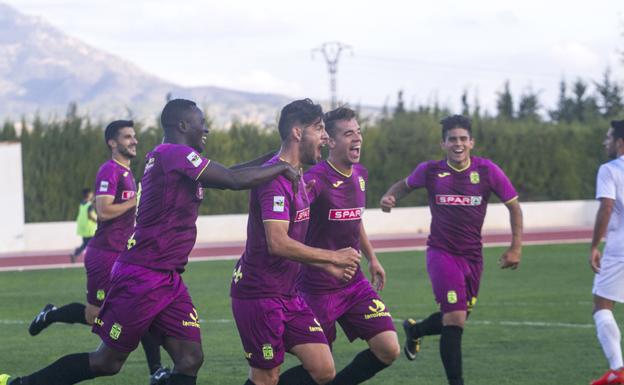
548, 156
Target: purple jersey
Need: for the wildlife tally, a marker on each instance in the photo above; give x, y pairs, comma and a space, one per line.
458, 202
115, 180
337, 204
169, 199
258, 273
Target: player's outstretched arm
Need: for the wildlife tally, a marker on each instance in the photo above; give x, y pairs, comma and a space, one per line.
256, 162
395, 193
107, 210
280, 244
377, 272
600, 229
511, 257
218, 176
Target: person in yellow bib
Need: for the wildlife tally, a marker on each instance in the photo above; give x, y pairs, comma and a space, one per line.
86, 222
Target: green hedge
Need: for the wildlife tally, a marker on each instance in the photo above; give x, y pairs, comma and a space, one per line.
545, 160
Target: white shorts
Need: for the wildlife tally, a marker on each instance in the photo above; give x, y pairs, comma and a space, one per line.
609, 283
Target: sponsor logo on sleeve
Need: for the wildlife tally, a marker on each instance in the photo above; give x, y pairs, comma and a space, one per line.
278, 203
237, 275
103, 186
346, 214
115, 331
194, 158
302, 215
362, 183
127, 194
267, 351
458, 200
451, 297
100, 295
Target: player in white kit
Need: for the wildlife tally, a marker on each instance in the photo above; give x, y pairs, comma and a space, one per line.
609, 267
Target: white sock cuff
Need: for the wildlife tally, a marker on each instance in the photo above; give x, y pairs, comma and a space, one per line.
604, 316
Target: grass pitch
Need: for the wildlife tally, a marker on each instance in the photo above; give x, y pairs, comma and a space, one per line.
530, 326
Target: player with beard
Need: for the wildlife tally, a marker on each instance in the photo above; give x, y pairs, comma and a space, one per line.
337, 196
270, 315
459, 188
115, 200
147, 291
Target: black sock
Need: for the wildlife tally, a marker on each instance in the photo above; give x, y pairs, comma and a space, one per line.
152, 352
296, 376
364, 366
450, 352
431, 325
181, 379
70, 369
69, 314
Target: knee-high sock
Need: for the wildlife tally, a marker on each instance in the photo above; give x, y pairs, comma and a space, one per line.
152, 352
609, 336
181, 379
364, 366
296, 376
70, 314
450, 352
67, 370
431, 325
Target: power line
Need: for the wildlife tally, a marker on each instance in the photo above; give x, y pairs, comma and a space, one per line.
331, 51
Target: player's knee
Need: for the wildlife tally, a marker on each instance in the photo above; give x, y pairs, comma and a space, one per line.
323, 374
108, 367
190, 362
388, 353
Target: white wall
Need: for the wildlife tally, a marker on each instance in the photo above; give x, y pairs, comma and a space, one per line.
11, 197
410, 220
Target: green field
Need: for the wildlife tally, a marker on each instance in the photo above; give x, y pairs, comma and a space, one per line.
530, 326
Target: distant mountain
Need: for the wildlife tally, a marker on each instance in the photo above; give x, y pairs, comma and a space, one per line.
42, 70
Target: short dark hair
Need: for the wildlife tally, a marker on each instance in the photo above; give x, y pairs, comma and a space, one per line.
175, 111
455, 121
618, 129
85, 192
113, 128
302, 111
334, 116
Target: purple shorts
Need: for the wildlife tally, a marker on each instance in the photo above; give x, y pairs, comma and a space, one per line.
98, 264
455, 280
142, 299
358, 309
269, 327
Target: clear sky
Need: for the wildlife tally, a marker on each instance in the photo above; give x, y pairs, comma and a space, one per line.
429, 49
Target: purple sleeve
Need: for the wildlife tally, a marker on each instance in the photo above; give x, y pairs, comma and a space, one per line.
316, 188
106, 181
501, 185
275, 200
187, 162
417, 178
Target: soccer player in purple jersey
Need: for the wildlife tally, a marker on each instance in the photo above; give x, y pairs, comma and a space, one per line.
459, 188
337, 196
147, 291
270, 315
115, 200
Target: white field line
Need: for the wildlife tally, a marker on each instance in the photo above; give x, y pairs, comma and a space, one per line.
558, 325
231, 257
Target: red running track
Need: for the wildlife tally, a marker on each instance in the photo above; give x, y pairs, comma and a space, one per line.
215, 251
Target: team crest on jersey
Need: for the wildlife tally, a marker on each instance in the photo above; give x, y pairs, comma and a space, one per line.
127, 194
104, 186
194, 158
345, 214
362, 183
474, 177
278, 203
302, 215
